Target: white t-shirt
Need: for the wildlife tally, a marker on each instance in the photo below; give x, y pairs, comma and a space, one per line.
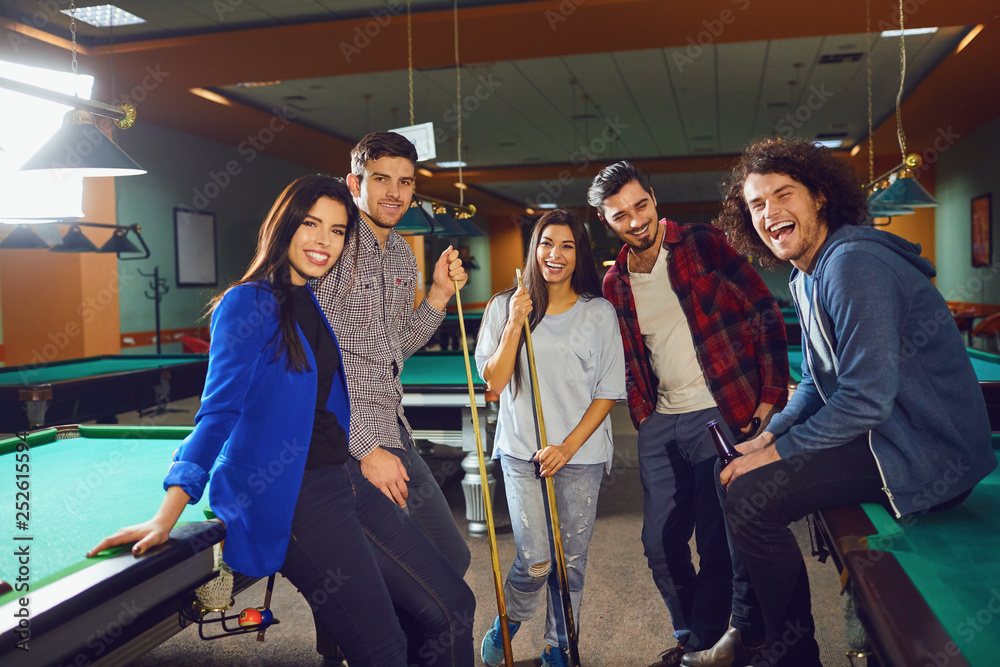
667, 335
579, 358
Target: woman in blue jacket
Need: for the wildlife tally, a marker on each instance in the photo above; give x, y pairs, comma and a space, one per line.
272, 432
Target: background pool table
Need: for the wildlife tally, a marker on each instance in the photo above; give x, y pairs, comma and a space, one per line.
95, 388
986, 366
85, 483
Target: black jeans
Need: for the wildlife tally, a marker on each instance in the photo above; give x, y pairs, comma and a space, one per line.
355, 556
769, 572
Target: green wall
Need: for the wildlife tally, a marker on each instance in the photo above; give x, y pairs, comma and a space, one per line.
969, 168
180, 168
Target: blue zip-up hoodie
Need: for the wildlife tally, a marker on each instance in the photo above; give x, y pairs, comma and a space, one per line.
884, 359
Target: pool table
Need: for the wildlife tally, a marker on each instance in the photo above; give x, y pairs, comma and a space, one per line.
986, 366
95, 388
448, 335
927, 586
83, 483
793, 331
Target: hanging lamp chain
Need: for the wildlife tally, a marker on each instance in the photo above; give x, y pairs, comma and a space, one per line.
409, 56
871, 138
72, 32
458, 102
902, 78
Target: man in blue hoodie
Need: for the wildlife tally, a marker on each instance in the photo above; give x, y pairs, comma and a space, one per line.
889, 406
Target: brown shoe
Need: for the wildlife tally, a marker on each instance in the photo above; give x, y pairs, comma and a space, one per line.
730, 651
670, 657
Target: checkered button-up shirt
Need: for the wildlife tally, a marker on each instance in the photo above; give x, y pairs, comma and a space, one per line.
736, 325
368, 298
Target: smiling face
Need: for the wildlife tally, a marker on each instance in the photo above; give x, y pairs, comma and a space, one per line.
556, 254
384, 193
786, 216
318, 241
631, 214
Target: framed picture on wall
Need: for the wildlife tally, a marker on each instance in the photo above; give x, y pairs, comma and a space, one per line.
982, 231
194, 245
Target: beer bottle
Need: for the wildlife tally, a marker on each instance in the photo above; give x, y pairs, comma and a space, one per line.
726, 451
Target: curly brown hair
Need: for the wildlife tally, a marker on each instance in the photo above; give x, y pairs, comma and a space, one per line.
813, 166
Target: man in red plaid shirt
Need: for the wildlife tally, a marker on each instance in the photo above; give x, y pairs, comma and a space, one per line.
704, 340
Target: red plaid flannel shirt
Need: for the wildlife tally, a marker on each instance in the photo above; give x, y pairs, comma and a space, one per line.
738, 331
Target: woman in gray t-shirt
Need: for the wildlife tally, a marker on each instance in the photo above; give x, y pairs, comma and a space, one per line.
581, 373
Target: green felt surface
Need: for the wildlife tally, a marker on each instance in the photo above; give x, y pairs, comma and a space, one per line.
89, 367
83, 489
789, 315
986, 365
952, 559
438, 368
468, 313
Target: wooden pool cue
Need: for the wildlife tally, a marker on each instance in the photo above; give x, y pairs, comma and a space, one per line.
508, 654
550, 487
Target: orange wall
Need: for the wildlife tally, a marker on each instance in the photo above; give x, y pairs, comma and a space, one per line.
506, 251
62, 305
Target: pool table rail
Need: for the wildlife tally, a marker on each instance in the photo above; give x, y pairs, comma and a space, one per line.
116, 609
902, 627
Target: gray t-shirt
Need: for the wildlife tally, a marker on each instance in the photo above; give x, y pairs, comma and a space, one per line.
579, 358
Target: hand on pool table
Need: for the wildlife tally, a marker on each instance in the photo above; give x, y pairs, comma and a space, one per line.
756, 453
153, 532
386, 472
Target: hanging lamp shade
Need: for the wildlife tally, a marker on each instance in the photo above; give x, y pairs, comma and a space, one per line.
904, 191
22, 238
415, 221
81, 147
74, 241
445, 225
889, 211
471, 229
119, 243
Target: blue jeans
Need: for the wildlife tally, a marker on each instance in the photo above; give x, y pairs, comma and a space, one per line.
353, 554
427, 506
677, 469
577, 487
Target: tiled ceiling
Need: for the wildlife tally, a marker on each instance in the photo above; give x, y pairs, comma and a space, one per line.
569, 110
601, 107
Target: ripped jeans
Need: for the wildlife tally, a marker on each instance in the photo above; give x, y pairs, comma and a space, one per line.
577, 487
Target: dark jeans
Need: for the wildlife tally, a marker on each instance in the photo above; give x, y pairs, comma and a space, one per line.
354, 555
427, 506
758, 507
677, 469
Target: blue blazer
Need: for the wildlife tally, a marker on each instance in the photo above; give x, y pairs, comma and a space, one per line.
253, 430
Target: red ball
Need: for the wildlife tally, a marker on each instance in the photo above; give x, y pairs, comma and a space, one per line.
249, 617
265, 615
7, 588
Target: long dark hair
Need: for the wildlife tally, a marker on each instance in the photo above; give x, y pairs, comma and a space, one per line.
270, 263
815, 167
584, 280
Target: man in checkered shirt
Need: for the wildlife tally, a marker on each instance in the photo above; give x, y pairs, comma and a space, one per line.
704, 340
368, 298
